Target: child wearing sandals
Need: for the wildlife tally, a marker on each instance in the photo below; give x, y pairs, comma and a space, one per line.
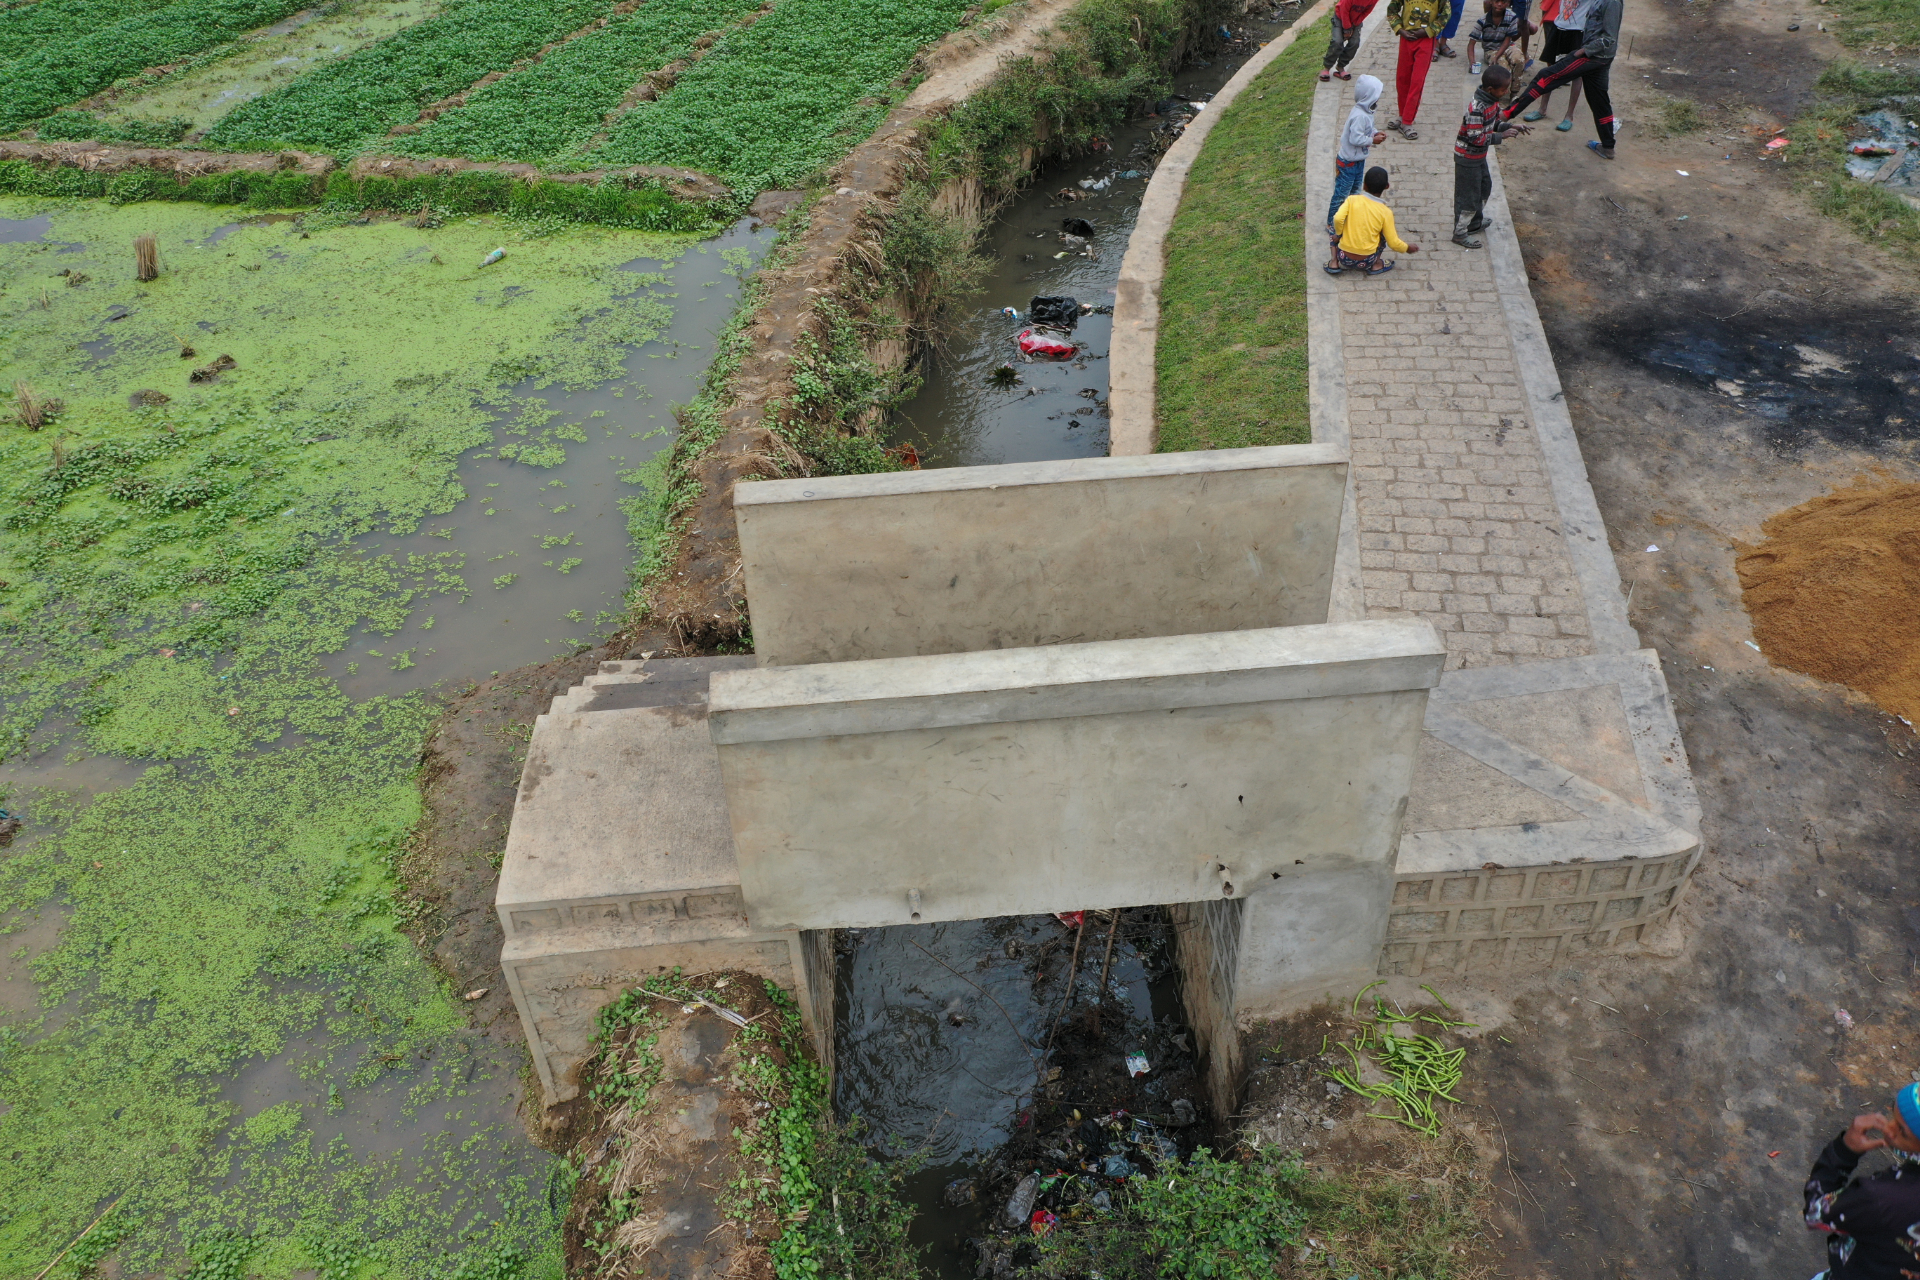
1565, 20
1348, 17
1363, 231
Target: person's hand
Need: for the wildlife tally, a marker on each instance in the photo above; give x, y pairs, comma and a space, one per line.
1412, 247
1518, 128
1866, 1133
1379, 138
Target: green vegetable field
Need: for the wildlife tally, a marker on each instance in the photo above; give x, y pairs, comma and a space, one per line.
556, 105
57, 71
783, 96
347, 107
25, 28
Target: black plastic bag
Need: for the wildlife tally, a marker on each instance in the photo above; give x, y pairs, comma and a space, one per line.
1077, 227
1055, 313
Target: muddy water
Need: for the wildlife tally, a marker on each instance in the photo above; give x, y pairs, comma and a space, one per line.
513, 509
959, 418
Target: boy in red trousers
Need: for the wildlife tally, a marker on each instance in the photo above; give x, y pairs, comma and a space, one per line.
1416, 22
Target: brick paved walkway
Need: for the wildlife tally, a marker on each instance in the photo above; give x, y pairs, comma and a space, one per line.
1457, 520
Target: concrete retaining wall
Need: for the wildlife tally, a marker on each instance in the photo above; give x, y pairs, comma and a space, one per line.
1206, 943
1528, 917
922, 562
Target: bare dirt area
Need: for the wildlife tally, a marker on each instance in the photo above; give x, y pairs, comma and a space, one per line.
1727, 354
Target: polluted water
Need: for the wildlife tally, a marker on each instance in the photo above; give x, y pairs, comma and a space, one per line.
988, 1055
979, 403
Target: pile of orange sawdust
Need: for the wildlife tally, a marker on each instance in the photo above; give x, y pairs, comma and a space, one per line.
1834, 591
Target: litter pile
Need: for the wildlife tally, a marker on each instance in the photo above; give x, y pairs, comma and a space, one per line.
1075, 1181
1834, 591
1889, 153
1048, 333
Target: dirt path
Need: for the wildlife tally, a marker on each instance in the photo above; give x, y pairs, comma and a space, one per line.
1727, 354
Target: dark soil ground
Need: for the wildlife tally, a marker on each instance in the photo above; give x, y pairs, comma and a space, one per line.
1727, 354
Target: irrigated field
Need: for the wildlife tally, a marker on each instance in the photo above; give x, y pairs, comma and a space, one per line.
758, 93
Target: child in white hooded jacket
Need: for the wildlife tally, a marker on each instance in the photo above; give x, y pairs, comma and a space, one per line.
1357, 140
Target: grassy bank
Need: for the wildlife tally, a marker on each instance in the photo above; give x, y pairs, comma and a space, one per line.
1232, 358
611, 203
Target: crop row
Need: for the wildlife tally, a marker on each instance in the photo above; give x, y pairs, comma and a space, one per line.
775, 100
25, 28
559, 103
58, 71
348, 106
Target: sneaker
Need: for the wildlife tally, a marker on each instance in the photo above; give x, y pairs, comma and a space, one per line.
1605, 153
1466, 242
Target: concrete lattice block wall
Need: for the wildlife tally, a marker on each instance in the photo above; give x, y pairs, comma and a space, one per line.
1527, 917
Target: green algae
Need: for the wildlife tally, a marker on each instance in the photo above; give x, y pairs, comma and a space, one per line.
172, 577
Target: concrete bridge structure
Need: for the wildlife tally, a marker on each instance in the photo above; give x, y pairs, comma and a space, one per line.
982, 691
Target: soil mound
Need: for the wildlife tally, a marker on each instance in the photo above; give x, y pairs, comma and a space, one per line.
1834, 591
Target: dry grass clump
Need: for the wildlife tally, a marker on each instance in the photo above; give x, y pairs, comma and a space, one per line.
33, 410
146, 258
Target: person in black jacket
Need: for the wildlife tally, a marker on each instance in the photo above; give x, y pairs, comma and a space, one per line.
1873, 1224
1590, 64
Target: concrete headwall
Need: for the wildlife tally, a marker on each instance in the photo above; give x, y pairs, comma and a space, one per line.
1176, 769
971, 558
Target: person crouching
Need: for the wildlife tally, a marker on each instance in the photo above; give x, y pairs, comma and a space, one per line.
1363, 230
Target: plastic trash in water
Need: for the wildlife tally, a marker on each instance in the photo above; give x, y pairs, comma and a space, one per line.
1071, 919
1137, 1064
1844, 1018
1020, 1204
1010, 313
1131, 173
493, 257
1046, 343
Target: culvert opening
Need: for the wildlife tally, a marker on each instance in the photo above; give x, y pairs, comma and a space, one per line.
1026, 1069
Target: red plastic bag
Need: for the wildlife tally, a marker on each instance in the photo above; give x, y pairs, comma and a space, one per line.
1071, 919
1045, 343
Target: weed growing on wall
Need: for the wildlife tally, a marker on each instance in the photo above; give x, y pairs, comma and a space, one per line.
170, 576
1110, 56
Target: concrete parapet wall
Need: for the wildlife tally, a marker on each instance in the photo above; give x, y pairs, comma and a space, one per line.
922, 562
1453, 923
1177, 769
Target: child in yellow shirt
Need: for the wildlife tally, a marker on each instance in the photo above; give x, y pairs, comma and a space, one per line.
1363, 230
